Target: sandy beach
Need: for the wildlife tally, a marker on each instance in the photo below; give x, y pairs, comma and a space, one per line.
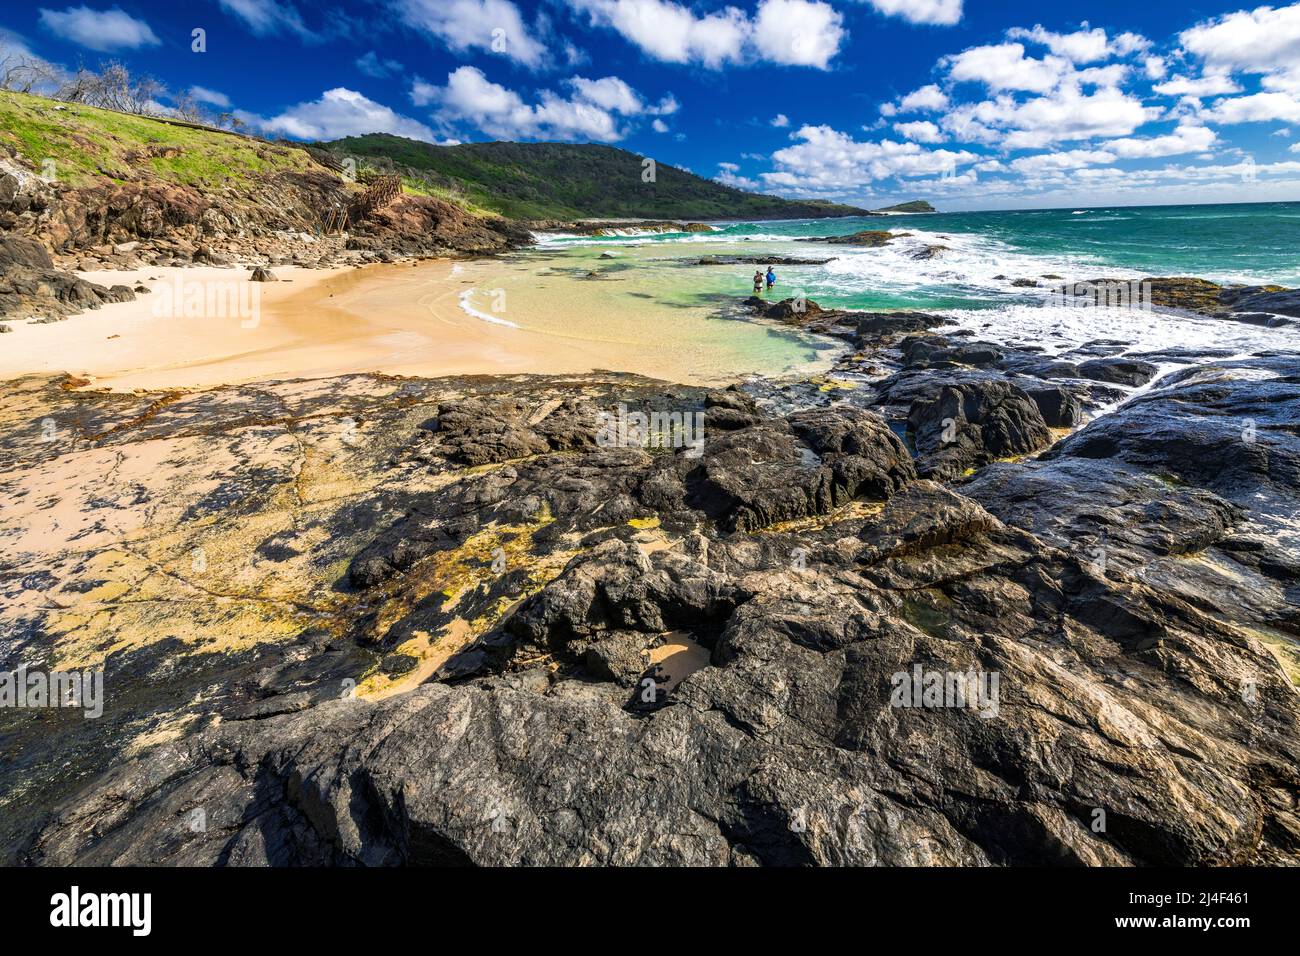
200, 327
312, 323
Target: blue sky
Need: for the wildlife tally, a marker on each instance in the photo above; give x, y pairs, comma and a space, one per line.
972, 104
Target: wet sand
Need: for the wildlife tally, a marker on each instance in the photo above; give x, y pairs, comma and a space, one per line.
428, 319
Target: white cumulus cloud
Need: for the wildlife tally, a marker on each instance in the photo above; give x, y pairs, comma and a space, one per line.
1185, 139
102, 30
828, 161
921, 131
1258, 108
1004, 66
594, 111
1255, 41
1067, 114
939, 12
1264, 41
1057, 162
341, 112
1082, 46
492, 26
797, 32
611, 93
212, 97
1215, 84
268, 17
787, 32
927, 98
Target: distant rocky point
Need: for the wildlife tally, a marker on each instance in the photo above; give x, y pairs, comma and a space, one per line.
919, 205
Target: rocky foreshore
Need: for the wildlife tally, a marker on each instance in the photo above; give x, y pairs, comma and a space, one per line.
959, 603
146, 222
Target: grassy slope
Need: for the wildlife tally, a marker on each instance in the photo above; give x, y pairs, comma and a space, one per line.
564, 181
89, 145
529, 181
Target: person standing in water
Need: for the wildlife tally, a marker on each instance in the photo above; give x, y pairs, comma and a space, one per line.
758, 282
771, 278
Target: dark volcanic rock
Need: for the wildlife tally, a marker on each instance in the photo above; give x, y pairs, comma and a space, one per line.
1118, 371
929, 351
1224, 429
929, 252
759, 260
1256, 305
787, 749
806, 466
1060, 407
1078, 612
970, 425
1271, 301
868, 238
1172, 476
878, 325
729, 410
21, 251
787, 310
476, 432
616, 589
27, 292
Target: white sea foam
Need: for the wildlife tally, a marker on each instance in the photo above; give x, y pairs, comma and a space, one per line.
968, 262
654, 238
971, 266
1058, 328
469, 309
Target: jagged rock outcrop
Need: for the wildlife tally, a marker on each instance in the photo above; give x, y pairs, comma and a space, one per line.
873, 327
760, 260
18, 251
1118, 371
808, 465
280, 216
972, 424
869, 239
936, 351
572, 651
1187, 485
787, 748
31, 288
1270, 305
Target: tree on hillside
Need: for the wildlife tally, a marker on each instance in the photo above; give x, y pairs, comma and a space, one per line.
113, 87
186, 107
23, 72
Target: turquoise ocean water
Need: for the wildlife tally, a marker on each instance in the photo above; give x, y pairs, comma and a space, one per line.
1258, 243
972, 279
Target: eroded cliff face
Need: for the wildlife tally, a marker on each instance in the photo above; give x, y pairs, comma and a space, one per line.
281, 216
371, 620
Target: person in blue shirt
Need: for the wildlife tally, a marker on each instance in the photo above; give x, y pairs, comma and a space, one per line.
771, 278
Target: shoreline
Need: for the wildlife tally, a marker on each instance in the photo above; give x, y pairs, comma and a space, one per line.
410, 318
